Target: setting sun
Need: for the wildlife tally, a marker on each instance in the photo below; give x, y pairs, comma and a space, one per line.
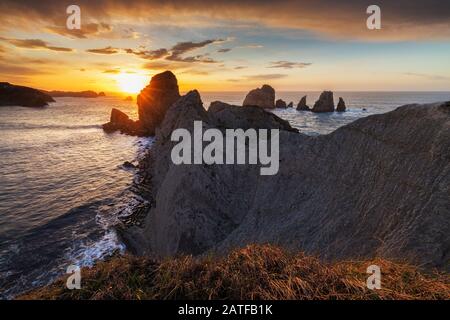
131, 83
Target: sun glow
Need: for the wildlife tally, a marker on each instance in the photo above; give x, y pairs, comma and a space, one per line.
131, 83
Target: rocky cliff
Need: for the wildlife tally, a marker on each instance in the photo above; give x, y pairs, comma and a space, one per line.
377, 187
12, 95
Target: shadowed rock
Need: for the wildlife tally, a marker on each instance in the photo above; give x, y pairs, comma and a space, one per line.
75, 94
301, 106
156, 98
120, 121
376, 187
281, 104
12, 95
263, 97
341, 105
224, 115
290, 105
325, 102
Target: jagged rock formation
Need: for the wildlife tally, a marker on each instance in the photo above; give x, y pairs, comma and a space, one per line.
341, 105
301, 106
263, 97
280, 104
376, 187
121, 122
290, 105
223, 115
325, 102
156, 98
153, 102
12, 95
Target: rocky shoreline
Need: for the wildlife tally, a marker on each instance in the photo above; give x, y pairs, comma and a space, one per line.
375, 187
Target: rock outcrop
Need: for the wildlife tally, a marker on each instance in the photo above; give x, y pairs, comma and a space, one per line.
121, 122
223, 115
154, 100
376, 187
12, 95
74, 94
290, 105
325, 102
301, 106
341, 105
263, 97
281, 104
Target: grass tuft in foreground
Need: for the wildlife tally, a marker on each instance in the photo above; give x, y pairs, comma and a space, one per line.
254, 272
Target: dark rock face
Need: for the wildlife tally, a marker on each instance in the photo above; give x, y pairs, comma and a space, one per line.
341, 105
290, 105
281, 104
12, 95
325, 102
223, 115
376, 187
156, 98
121, 122
301, 106
263, 97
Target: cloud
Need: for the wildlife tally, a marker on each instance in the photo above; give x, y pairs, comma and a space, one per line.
401, 19
260, 77
177, 52
87, 30
240, 68
107, 50
224, 50
112, 71
149, 54
35, 44
427, 76
289, 65
183, 47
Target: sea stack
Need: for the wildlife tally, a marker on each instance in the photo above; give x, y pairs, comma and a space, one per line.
290, 105
325, 102
155, 99
301, 106
341, 105
263, 97
281, 104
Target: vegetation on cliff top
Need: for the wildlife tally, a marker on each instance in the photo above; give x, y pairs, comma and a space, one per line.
254, 272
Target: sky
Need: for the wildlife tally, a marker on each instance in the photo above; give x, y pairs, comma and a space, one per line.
227, 45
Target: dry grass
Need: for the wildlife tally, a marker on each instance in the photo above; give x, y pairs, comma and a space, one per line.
254, 272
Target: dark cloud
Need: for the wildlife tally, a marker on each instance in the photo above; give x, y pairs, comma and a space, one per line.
401, 19
149, 54
177, 52
289, 64
224, 50
183, 47
34, 44
87, 30
107, 50
240, 67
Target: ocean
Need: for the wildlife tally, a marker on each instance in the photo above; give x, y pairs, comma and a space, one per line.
63, 184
